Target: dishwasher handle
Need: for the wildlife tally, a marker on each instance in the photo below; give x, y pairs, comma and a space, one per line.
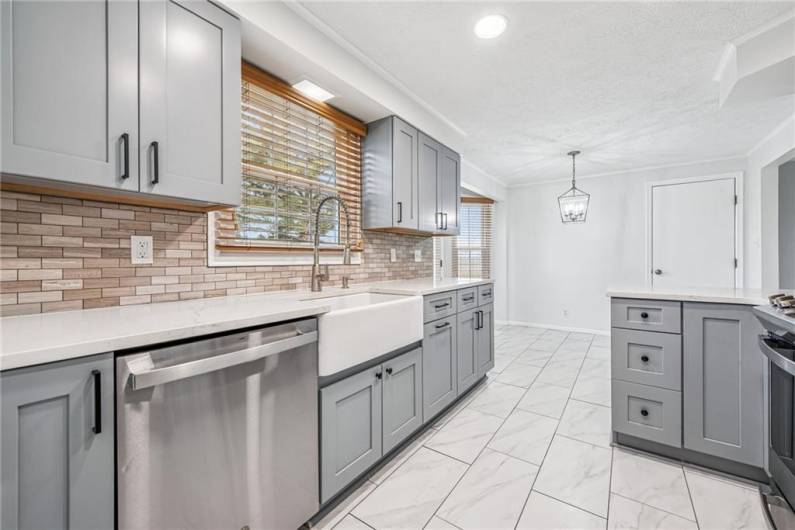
139, 379
775, 357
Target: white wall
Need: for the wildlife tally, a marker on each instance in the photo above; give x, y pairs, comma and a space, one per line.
786, 225
555, 268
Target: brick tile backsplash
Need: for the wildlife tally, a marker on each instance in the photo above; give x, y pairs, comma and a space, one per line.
63, 254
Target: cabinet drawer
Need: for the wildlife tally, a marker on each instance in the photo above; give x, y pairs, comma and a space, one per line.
485, 294
467, 299
440, 305
650, 315
647, 412
647, 358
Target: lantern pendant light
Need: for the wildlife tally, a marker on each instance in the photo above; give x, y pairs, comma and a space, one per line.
574, 203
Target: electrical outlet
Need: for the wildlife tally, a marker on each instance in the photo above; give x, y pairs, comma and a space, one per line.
141, 249
392, 255
418, 256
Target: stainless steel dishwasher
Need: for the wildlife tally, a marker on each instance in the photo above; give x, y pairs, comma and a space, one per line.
220, 433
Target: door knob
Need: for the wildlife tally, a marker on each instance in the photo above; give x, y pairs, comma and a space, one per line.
657, 271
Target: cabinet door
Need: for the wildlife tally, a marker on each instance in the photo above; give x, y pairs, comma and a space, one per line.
484, 340
350, 430
404, 175
723, 377
402, 397
70, 91
190, 101
430, 164
57, 445
448, 191
467, 362
439, 387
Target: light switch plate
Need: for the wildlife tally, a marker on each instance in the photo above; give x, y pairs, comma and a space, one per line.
392, 255
141, 250
418, 255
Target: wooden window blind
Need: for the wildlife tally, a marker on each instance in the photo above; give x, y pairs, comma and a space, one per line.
472, 248
296, 151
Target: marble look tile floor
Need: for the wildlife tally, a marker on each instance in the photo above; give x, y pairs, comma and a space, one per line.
530, 449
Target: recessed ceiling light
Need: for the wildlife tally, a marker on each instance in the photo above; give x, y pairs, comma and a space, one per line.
309, 89
491, 26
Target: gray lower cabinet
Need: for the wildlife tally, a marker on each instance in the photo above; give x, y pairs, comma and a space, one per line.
484, 339
364, 416
402, 398
723, 376
350, 429
467, 349
58, 444
439, 365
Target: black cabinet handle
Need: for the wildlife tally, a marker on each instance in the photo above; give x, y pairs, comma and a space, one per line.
379, 375
644, 315
400, 212
487, 293
644, 412
155, 162
125, 142
439, 306
97, 375
644, 358
478, 319
468, 298
442, 325
389, 371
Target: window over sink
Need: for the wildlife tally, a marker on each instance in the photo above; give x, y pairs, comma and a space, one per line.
295, 152
469, 254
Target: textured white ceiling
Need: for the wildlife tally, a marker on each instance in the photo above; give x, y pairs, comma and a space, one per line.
630, 84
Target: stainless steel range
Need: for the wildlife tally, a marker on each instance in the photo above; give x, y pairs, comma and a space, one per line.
778, 345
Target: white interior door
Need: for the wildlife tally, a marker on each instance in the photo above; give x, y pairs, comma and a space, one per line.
693, 234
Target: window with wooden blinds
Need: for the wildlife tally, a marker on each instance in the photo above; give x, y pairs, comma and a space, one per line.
472, 247
296, 151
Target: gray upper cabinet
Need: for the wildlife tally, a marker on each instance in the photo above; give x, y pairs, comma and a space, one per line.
484, 339
69, 91
389, 180
439, 365
350, 429
430, 165
84, 101
402, 398
57, 445
723, 377
448, 193
190, 101
467, 362
410, 181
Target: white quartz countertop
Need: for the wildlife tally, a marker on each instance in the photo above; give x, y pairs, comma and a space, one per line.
36, 339
694, 294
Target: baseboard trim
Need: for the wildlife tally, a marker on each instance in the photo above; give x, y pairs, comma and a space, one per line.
551, 326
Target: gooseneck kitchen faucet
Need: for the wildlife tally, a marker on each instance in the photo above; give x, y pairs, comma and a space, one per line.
317, 276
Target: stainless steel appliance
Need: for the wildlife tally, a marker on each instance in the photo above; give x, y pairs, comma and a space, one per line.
778, 345
220, 432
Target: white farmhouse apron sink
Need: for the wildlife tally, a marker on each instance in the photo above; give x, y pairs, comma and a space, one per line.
363, 326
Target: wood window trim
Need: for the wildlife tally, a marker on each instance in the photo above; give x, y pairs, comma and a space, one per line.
476, 200
283, 89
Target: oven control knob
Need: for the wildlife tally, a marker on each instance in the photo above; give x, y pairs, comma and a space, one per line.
644, 412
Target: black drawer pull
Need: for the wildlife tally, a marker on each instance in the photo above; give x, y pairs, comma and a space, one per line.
155, 162
644, 358
487, 293
644, 315
97, 375
389, 371
644, 412
125, 140
443, 325
400, 212
439, 306
468, 298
